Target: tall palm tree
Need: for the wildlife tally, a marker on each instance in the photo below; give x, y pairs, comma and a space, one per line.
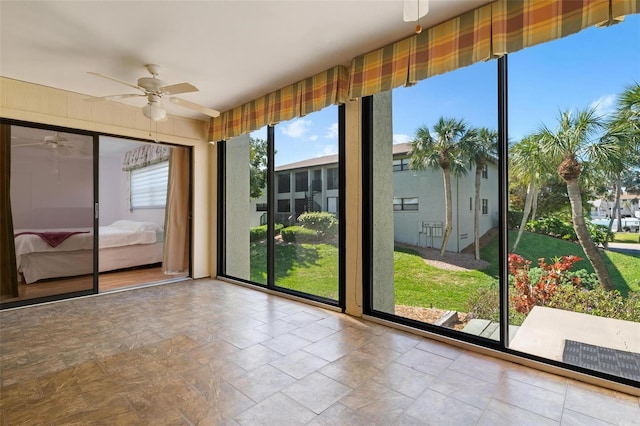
480, 150
528, 162
575, 147
442, 150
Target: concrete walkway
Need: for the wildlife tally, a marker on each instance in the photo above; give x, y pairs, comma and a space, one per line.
632, 249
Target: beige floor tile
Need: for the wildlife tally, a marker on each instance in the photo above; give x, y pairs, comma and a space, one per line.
376, 401
209, 353
262, 382
299, 364
501, 413
278, 409
316, 391
435, 408
404, 379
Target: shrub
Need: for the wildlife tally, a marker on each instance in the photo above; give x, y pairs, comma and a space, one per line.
258, 233
484, 303
298, 234
528, 294
323, 222
556, 226
581, 277
598, 302
514, 219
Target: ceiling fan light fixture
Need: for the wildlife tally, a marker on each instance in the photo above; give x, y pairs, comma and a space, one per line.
154, 111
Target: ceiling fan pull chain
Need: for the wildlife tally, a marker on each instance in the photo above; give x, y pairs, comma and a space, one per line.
418, 27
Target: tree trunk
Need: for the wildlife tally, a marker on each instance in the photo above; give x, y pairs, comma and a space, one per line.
590, 249
618, 194
446, 173
476, 211
525, 214
534, 205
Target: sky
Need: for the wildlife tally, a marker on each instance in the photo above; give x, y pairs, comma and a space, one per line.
589, 68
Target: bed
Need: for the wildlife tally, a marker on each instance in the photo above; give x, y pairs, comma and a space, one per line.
67, 252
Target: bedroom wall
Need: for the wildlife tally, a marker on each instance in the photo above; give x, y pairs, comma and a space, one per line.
114, 190
50, 190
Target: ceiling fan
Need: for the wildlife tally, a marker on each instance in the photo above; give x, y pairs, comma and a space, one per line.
56, 143
154, 90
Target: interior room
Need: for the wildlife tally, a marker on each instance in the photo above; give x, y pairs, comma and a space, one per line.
312, 212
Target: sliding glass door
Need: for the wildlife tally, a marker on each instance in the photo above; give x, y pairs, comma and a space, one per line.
51, 183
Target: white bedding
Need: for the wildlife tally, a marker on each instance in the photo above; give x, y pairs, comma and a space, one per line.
109, 237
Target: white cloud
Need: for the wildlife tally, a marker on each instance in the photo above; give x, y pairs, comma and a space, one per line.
329, 150
401, 138
332, 131
604, 105
297, 128
313, 137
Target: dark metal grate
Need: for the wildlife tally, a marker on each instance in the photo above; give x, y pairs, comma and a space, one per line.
606, 360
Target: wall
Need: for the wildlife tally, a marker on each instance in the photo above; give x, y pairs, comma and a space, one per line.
114, 187
40, 104
50, 190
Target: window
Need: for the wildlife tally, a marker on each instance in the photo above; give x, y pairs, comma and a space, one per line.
332, 205
470, 204
405, 204
485, 171
284, 183
485, 206
284, 206
261, 207
149, 186
332, 178
302, 181
316, 184
401, 165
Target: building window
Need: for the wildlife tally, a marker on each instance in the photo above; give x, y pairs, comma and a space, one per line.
485, 206
405, 204
148, 186
332, 178
332, 205
302, 181
485, 171
401, 165
470, 204
316, 184
284, 206
284, 183
261, 207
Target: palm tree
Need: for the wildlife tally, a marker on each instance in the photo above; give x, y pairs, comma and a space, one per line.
480, 150
442, 150
575, 148
530, 165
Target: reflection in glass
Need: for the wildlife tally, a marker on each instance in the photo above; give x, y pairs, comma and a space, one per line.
52, 210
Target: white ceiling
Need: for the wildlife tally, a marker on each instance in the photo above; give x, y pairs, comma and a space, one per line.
233, 51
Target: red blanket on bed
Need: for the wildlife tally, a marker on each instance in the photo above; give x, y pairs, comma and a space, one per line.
53, 238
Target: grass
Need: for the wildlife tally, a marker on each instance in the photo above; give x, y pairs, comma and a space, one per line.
626, 237
309, 268
313, 269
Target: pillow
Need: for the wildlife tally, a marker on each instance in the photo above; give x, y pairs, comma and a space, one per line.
132, 225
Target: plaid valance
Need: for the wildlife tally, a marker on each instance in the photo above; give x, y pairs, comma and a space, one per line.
145, 155
490, 31
302, 98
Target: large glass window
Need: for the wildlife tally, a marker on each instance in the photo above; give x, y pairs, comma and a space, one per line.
440, 136
573, 265
301, 214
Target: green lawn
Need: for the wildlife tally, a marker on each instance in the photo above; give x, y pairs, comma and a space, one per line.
313, 269
626, 237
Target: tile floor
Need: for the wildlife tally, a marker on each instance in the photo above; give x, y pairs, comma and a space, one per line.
211, 353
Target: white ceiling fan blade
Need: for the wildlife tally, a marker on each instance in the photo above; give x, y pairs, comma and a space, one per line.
117, 81
410, 9
196, 107
112, 97
28, 144
175, 89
